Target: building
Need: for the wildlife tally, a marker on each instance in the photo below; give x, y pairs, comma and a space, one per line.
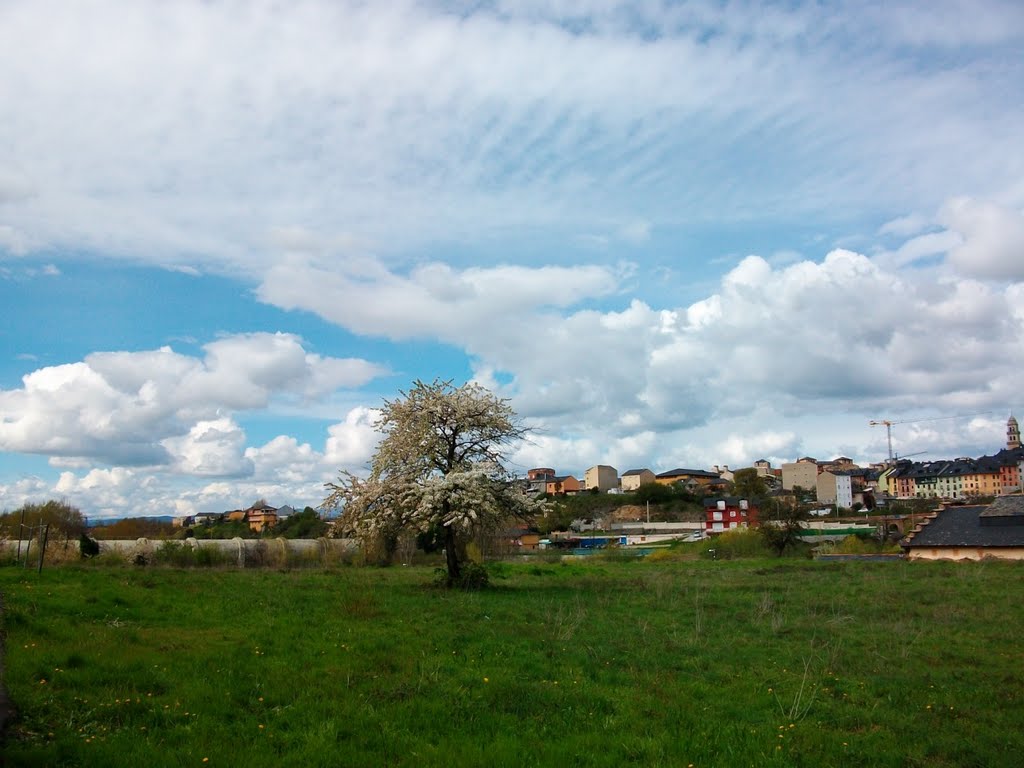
691, 478
207, 518
1012, 434
261, 516
634, 478
970, 533
803, 473
726, 513
561, 486
602, 477
724, 472
835, 487
838, 464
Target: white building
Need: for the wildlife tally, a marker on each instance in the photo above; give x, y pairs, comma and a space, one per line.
835, 488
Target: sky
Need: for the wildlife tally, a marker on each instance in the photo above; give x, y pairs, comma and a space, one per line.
671, 234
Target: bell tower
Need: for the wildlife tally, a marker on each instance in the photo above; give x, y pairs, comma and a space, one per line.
1012, 434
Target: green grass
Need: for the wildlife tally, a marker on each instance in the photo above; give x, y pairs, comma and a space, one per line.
595, 663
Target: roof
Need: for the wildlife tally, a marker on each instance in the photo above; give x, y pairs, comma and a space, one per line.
630, 472
963, 527
688, 473
1005, 506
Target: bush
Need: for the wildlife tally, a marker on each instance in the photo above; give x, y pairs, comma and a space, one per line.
740, 542
471, 576
88, 547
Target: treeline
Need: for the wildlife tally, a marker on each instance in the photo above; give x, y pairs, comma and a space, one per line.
134, 528
300, 525
67, 522
64, 520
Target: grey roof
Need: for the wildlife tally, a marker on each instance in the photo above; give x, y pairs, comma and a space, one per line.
1005, 506
629, 472
691, 472
963, 527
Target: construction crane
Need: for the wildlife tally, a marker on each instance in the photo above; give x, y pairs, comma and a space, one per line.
889, 424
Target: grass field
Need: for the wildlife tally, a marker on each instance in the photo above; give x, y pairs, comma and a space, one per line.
596, 663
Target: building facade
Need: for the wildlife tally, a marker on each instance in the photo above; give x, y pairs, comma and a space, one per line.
632, 479
602, 477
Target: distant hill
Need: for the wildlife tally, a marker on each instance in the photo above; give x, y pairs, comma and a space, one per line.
98, 523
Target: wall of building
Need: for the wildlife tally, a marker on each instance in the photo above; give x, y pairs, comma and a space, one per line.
602, 477
965, 553
802, 473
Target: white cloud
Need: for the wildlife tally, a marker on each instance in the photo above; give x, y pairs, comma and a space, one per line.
160, 407
434, 300
993, 239
211, 448
905, 226
190, 139
351, 443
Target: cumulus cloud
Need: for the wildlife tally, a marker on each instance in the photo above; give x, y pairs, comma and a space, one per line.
845, 332
992, 244
211, 448
351, 443
159, 407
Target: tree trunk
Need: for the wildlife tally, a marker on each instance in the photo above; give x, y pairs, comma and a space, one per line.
451, 555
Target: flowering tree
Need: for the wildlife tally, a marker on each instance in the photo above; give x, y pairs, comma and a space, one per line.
439, 465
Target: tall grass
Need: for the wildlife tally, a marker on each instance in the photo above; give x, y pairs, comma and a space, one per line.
772, 662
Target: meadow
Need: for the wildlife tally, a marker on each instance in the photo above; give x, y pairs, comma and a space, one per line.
603, 662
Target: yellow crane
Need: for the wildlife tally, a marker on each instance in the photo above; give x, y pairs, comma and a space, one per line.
888, 424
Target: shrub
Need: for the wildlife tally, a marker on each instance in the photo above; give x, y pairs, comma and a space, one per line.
88, 547
741, 542
472, 576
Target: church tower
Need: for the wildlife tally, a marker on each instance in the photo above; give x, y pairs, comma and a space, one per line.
1012, 434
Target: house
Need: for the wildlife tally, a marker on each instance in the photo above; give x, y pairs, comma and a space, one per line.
838, 464
725, 513
537, 479
689, 477
539, 473
261, 516
970, 533
634, 478
602, 477
561, 486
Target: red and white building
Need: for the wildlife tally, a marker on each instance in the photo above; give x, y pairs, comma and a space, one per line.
727, 513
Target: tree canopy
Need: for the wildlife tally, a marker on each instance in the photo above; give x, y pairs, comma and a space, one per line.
748, 484
439, 465
61, 516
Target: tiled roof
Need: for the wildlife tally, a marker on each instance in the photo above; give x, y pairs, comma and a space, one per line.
962, 527
630, 472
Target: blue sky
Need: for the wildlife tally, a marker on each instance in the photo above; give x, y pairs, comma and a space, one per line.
673, 234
